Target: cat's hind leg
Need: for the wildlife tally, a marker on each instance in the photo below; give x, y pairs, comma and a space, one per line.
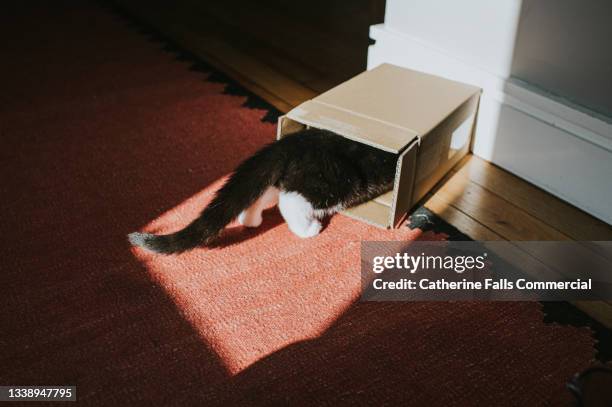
252, 216
299, 214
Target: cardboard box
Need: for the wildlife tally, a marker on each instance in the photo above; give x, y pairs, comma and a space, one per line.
428, 121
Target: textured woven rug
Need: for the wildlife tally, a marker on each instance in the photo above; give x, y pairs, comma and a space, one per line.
106, 130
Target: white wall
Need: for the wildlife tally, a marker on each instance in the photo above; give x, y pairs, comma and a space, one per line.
564, 46
436, 22
563, 150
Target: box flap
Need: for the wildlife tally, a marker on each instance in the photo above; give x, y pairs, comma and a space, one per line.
405, 175
386, 107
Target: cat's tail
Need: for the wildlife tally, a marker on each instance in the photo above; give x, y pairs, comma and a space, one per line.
243, 188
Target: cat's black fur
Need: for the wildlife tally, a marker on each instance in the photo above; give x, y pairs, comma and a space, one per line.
325, 168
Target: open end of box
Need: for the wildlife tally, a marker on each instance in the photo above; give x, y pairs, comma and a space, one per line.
387, 209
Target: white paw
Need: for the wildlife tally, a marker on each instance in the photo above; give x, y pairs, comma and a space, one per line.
249, 220
311, 229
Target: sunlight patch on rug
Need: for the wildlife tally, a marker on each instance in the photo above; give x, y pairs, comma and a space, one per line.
262, 289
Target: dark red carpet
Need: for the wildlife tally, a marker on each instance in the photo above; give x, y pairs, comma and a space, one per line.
103, 133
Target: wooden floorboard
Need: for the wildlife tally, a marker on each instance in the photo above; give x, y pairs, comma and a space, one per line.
465, 223
257, 76
504, 218
559, 215
484, 216
298, 39
480, 199
241, 38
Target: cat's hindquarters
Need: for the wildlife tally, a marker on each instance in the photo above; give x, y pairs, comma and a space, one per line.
312, 173
244, 187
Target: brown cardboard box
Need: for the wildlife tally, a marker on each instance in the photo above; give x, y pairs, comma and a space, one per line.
427, 120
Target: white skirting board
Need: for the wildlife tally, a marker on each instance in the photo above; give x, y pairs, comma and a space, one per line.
561, 149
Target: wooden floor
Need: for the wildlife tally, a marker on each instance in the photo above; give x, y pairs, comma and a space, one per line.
288, 55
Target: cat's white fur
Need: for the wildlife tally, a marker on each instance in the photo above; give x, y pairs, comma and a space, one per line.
302, 219
299, 214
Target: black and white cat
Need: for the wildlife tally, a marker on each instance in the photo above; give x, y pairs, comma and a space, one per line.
310, 174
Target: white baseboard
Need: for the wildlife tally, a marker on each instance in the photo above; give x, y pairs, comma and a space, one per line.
562, 149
